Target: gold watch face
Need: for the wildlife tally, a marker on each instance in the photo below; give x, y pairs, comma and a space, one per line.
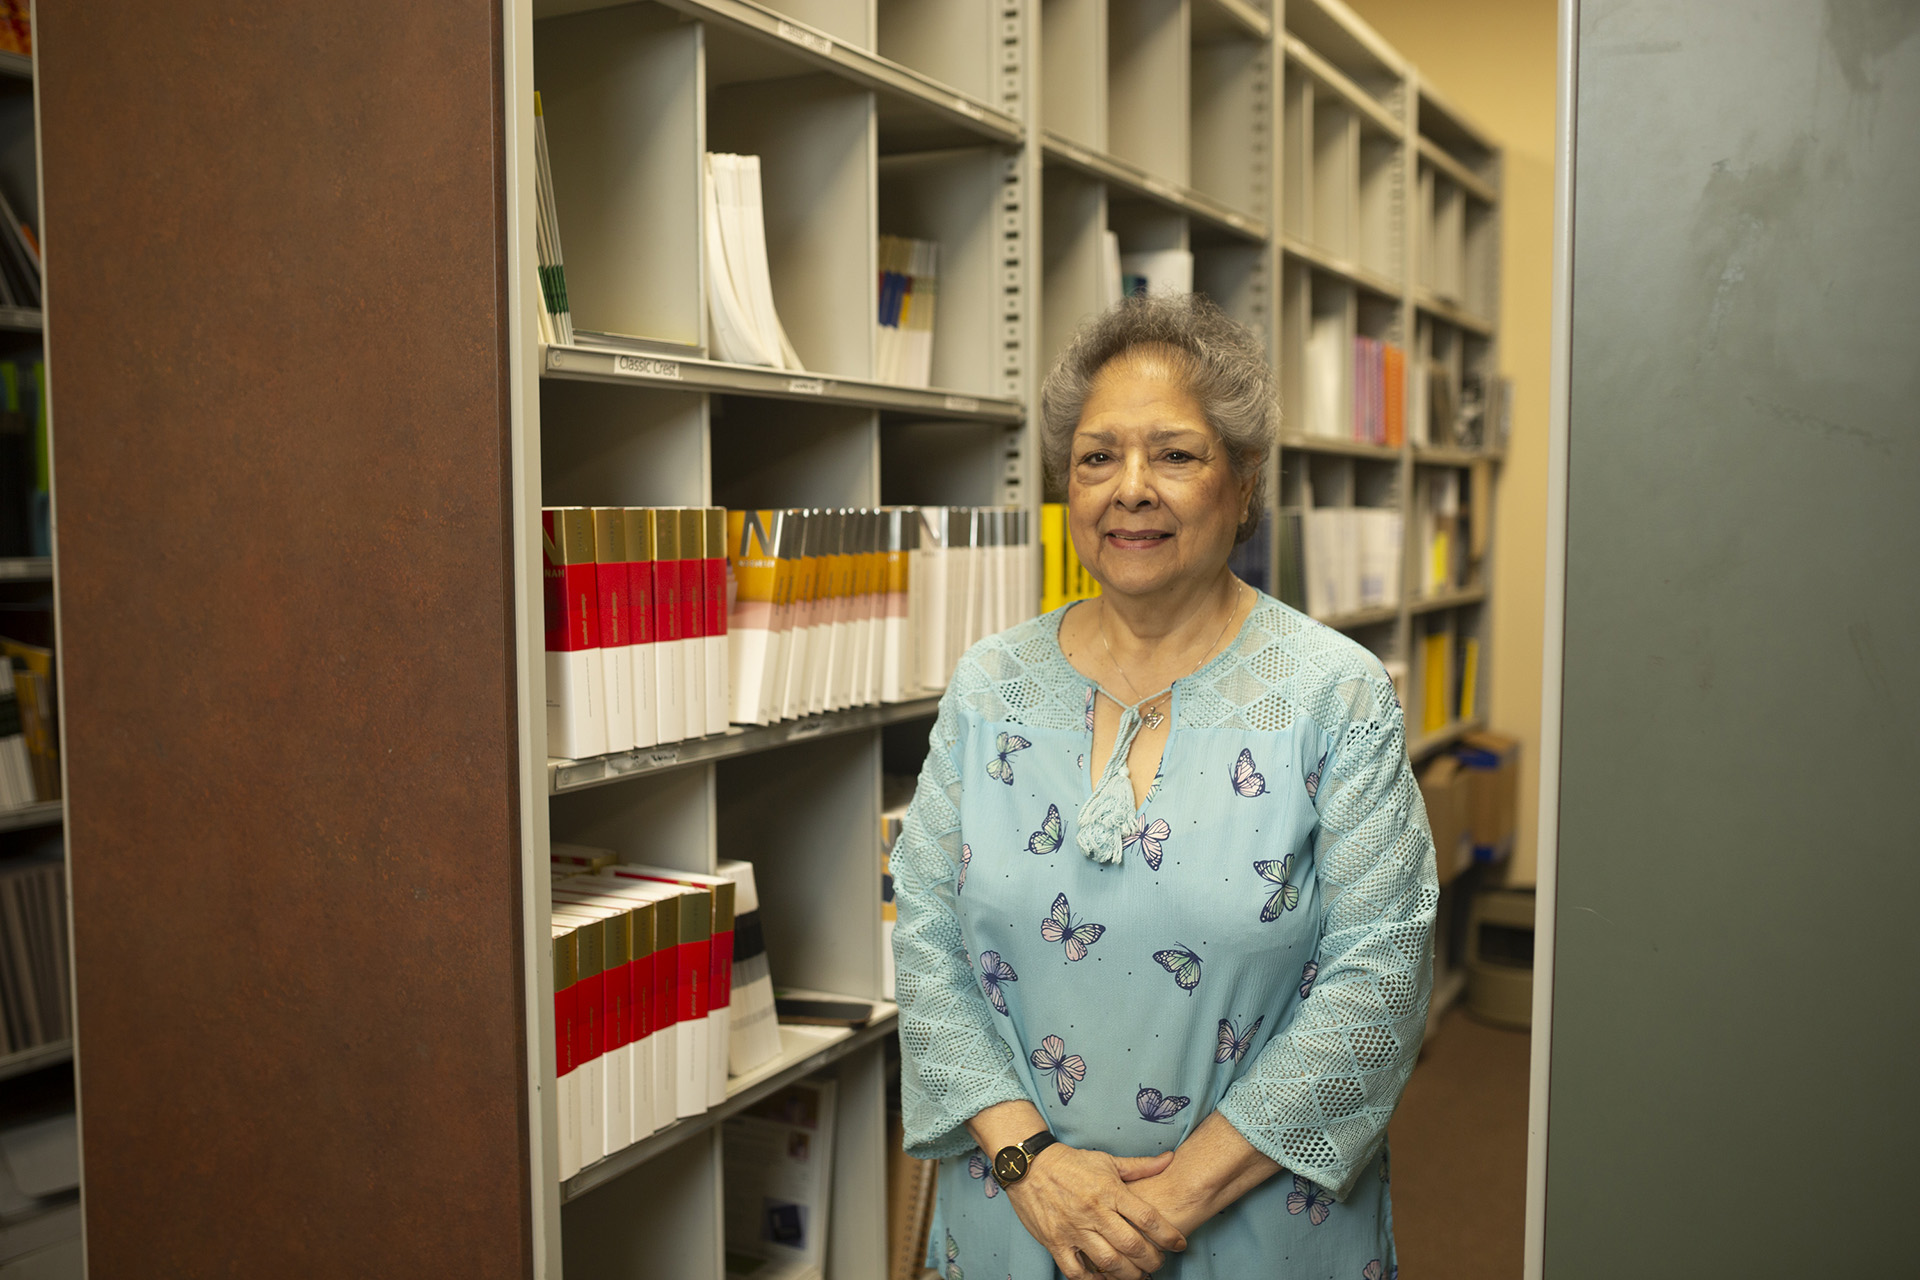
1010, 1165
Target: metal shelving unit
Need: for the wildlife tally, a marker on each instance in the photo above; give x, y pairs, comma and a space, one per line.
805, 1050
688, 374
41, 1055
738, 740
1170, 126
1363, 126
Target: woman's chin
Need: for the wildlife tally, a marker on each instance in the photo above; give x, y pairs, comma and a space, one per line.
1133, 574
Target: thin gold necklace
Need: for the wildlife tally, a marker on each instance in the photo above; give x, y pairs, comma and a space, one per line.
1150, 715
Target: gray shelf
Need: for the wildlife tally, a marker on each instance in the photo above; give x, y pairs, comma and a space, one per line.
629, 1158
1335, 265
739, 740
1451, 600
1137, 182
682, 373
42, 1055
1476, 186
26, 569
1346, 448
815, 48
1336, 80
21, 319
1452, 313
46, 813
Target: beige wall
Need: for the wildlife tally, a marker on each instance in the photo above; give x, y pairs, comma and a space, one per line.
1493, 60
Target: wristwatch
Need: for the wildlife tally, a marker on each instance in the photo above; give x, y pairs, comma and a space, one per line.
1012, 1163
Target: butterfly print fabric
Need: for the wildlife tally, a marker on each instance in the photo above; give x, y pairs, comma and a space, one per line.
1059, 927
1000, 769
1151, 837
1131, 1001
1067, 1069
1231, 1047
1158, 1107
1310, 1200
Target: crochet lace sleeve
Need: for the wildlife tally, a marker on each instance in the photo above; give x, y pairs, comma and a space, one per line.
953, 1062
1318, 1097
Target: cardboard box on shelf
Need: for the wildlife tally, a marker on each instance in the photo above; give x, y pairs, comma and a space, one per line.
1444, 786
1492, 764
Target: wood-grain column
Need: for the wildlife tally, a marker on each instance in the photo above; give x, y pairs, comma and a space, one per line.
276, 319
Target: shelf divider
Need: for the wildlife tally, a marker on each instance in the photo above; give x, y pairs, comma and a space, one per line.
803, 1051
738, 740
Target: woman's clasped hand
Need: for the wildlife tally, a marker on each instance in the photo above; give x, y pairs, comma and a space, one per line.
1079, 1205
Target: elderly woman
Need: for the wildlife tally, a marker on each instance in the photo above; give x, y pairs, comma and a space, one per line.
1166, 889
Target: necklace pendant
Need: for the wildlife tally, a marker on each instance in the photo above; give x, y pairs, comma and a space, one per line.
1152, 717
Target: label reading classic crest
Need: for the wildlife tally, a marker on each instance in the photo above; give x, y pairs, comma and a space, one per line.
647, 367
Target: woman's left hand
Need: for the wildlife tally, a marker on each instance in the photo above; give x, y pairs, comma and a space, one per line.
1214, 1167
1181, 1204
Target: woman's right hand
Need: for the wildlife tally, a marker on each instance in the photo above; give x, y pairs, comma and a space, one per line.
1077, 1203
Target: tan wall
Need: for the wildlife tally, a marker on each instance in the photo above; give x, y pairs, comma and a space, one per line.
1493, 60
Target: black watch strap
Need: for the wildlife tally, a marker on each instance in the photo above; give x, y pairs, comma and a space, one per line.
1010, 1164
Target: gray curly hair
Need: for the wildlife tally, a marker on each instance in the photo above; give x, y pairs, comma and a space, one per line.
1220, 361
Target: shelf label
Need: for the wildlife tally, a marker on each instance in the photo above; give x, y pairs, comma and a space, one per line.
806, 729
647, 367
805, 39
806, 386
662, 756
963, 404
968, 110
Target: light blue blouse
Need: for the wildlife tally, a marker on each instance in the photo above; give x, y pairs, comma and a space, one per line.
1253, 940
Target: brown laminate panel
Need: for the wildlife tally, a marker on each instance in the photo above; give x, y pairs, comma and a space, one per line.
274, 240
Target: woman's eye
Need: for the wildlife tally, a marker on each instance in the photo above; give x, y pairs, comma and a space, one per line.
1093, 459
1176, 455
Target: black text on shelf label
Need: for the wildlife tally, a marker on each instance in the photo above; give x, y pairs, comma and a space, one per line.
806, 386
647, 367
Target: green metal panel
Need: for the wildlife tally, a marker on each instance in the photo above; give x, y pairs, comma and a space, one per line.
1733, 1080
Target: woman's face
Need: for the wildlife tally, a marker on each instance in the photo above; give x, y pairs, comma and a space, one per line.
1151, 496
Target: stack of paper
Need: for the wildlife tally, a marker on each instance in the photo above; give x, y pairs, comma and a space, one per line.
746, 329
1112, 289
556, 321
755, 1031
908, 292
1352, 558
1156, 271
1326, 375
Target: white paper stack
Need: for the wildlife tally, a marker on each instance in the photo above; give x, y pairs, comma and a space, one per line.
755, 1036
1111, 287
1327, 353
745, 327
556, 320
909, 289
1156, 271
1352, 559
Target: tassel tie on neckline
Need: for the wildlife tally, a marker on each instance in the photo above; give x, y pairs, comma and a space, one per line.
1107, 816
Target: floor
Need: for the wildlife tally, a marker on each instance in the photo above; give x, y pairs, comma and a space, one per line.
1460, 1155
